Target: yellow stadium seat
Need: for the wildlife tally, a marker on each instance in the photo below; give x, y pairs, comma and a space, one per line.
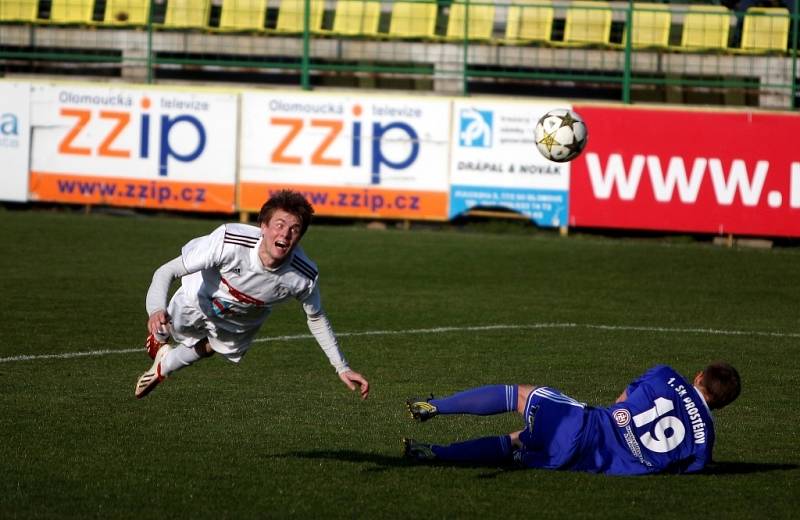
413, 19
19, 10
650, 24
587, 23
706, 27
529, 21
357, 17
127, 12
71, 11
478, 19
765, 29
243, 15
187, 14
291, 16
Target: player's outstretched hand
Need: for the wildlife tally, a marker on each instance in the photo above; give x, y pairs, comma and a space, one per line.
157, 322
353, 379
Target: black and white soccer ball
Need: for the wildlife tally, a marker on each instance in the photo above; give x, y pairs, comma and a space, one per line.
561, 135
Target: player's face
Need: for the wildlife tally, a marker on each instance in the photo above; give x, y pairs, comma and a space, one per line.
281, 235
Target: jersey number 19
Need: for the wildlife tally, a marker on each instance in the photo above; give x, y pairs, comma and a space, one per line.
667, 433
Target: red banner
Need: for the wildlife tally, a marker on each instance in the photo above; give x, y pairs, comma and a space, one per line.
718, 172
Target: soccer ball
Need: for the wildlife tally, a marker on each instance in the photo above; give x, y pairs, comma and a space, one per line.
560, 135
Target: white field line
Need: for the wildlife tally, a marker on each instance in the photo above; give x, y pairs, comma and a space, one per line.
439, 330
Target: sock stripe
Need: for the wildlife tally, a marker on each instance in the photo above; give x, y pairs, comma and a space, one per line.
510, 400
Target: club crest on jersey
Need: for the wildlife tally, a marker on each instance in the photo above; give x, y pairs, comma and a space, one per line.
622, 417
281, 291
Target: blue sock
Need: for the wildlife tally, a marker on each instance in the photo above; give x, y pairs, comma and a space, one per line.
484, 400
486, 450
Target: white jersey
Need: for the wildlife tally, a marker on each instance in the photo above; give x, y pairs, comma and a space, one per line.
226, 293
233, 288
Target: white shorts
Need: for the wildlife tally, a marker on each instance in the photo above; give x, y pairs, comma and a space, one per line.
189, 326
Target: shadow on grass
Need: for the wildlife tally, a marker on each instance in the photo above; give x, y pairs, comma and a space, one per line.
385, 462
743, 468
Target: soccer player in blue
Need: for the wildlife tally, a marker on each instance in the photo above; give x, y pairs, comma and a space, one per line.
661, 423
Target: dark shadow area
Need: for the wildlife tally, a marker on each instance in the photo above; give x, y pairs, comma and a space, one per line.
385, 462
744, 468
348, 456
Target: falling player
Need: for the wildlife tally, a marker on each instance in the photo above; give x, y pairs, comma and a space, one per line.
230, 280
661, 423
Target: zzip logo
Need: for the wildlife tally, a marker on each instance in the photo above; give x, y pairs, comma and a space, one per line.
9, 131
475, 128
110, 132
370, 143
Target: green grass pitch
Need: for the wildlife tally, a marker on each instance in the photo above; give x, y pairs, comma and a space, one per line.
279, 435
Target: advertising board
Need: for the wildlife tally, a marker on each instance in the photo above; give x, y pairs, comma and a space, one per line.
14, 141
718, 172
376, 157
119, 146
495, 163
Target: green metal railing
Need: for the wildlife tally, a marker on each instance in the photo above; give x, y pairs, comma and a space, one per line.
471, 63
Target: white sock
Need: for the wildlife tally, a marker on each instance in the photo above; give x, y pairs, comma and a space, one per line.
178, 358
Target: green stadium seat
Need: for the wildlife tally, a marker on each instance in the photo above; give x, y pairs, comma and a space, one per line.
705, 27
650, 25
187, 14
765, 29
477, 20
127, 12
19, 11
243, 15
587, 23
356, 18
529, 21
71, 11
291, 16
413, 20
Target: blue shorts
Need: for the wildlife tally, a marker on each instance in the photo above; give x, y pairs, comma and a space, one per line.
553, 429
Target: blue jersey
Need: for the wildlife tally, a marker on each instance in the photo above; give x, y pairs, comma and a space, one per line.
664, 425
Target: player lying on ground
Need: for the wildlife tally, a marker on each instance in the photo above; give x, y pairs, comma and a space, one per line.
230, 280
660, 424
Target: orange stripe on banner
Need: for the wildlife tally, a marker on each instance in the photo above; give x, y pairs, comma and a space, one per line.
354, 202
140, 193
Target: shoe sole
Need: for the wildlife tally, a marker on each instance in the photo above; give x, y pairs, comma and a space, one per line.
148, 381
146, 384
429, 411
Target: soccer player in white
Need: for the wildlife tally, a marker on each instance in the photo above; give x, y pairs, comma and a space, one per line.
230, 280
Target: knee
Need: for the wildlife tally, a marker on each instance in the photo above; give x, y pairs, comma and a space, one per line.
523, 391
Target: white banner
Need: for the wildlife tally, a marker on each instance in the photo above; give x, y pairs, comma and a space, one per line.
129, 146
345, 140
14, 141
393, 150
495, 163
